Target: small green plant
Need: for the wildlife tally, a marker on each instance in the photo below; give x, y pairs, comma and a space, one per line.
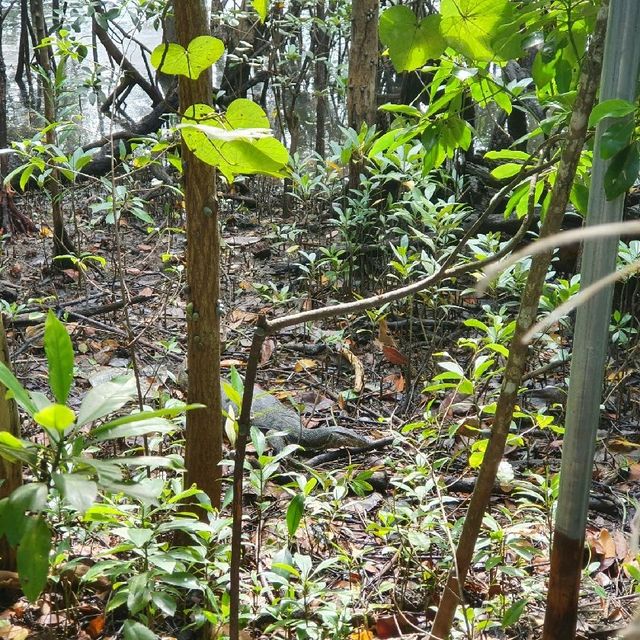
67, 477
279, 296
622, 328
151, 575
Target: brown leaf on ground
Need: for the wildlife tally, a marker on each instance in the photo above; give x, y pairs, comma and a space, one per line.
267, 349
392, 355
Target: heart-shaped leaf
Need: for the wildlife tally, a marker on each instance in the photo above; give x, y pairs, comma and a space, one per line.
410, 43
480, 29
201, 53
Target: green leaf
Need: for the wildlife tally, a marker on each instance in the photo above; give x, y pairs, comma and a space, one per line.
266, 156
294, 513
166, 603
513, 613
201, 53
183, 580
474, 27
77, 491
16, 390
33, 558
614, 108
410, 43
11, 448
106, 398
59, 351
261, 7
507, 170
508, 154
139, 593
622, 171
29, 497
615, 137
137, 631
139, 537
147, 491
580, 197
56, 416
133, 429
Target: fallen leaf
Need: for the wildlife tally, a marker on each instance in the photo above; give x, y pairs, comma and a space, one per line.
267, 349
361, 634
358, 368
147, 292
13, 632
96, 626
385, 338
72, 274
392, 355
305, 363
232, 362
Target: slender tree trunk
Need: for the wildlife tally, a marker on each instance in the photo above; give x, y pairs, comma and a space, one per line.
204, 426
363, 71
320, 44
61, 242
518, 351
22, 66
10, 473
591, 341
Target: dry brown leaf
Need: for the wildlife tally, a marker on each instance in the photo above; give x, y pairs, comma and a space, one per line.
305, 363
96, 626
361, 634
267, 349
9, 580
232, 362
385, 338
358, 368
392, 355
13, 632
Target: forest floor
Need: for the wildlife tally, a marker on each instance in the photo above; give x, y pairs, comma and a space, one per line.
378, 527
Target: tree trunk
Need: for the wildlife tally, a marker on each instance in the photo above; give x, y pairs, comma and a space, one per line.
363, 68
320, 44
204, 426
10, 473
61, 242
590, 342
518, 350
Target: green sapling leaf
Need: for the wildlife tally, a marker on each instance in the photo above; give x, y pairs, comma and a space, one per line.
201, 53
294, 513
33, 558
59, 352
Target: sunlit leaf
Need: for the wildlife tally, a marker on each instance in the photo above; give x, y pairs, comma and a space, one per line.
294, 513
410, 42
266, 156
476, 28
57, 417
261, 7
201, 53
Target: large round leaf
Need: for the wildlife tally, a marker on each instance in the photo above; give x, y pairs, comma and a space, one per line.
480, 29
266, 155
410, 43
201, 53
